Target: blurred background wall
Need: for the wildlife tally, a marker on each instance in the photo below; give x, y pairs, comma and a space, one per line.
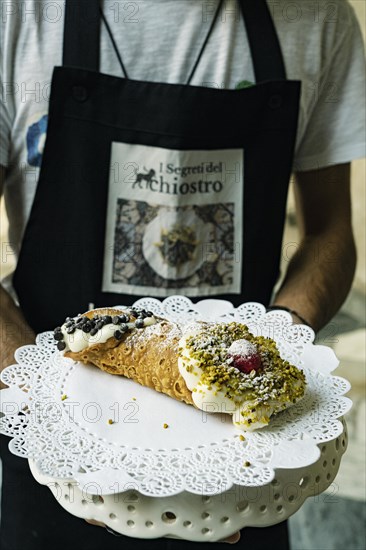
336, 519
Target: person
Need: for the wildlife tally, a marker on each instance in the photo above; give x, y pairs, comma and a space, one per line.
157, 162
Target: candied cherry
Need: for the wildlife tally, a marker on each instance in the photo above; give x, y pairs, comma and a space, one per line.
245, 356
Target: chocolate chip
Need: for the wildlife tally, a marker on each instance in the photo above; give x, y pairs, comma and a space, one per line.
139, 323
70, 324
93, 331
118, 334
86, 327
107, 319
71, 329
81, 320
123, 327
123, 318
116, 320
61, 346
58, 336
99, 325
58, 329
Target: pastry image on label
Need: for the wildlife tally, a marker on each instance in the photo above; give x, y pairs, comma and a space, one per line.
174, 221
175, 247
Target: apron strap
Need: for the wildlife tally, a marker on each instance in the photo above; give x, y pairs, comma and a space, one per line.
81, 34
82, 37
263, 41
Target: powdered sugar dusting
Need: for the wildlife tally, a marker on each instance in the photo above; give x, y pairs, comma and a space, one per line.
169, 332
242, 348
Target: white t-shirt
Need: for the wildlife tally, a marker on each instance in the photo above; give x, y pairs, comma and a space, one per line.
159, 41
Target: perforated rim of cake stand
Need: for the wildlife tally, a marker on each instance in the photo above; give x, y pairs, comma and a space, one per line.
200, 518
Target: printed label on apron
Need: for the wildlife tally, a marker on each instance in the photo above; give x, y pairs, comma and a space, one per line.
174, 221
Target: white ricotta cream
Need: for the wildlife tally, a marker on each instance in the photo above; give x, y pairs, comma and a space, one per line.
79, 340
215, 399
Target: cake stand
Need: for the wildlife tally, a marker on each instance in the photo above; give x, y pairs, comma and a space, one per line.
99, 442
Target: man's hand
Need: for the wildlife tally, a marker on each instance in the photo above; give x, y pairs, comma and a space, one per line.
14, 331
320, 273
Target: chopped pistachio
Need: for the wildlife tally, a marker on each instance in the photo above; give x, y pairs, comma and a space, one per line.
275, 380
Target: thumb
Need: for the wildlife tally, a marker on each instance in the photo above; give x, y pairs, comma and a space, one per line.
233, 539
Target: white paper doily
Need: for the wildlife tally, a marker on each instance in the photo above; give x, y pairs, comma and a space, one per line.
199, 454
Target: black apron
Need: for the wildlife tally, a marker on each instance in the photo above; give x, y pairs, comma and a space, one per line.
94, 119
66, 253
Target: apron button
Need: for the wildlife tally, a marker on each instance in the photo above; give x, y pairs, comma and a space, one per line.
80, 93
275, 101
